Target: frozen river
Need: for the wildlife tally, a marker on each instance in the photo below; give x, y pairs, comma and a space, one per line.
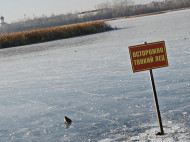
90, 80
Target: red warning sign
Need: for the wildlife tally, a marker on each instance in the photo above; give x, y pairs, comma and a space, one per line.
148, 56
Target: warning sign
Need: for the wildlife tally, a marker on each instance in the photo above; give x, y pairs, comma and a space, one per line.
148, 56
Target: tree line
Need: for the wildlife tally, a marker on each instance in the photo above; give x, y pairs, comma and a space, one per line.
114, 9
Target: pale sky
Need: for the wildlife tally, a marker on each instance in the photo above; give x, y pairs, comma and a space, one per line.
14, 10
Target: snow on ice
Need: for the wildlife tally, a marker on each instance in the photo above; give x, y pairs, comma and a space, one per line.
90, 80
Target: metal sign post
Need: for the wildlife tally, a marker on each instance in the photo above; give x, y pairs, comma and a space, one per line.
156, 104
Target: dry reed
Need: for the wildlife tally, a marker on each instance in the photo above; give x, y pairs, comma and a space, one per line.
54, 33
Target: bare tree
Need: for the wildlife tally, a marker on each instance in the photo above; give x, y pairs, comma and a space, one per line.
116, 8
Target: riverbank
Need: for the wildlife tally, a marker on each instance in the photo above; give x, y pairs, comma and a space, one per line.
50, 34
147, 14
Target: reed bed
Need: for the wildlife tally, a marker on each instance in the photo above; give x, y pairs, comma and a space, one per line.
54, 33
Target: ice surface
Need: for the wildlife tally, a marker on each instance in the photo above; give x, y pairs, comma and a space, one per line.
90, 80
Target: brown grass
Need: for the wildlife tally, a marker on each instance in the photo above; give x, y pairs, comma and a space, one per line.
49, 34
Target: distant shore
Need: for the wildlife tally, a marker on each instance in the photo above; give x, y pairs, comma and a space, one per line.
50, 34
147, 14
62, 32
